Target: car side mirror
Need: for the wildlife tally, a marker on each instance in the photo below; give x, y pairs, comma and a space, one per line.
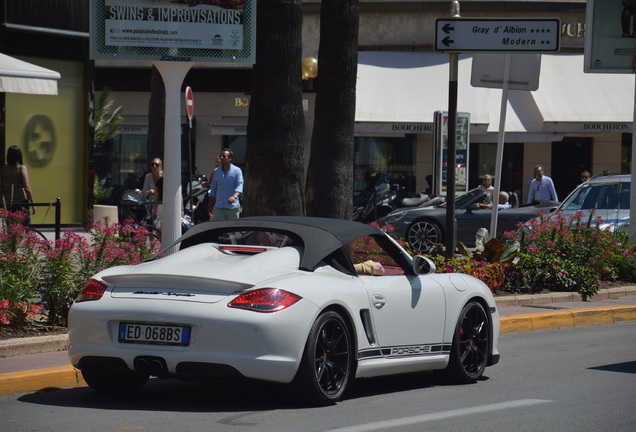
423, 265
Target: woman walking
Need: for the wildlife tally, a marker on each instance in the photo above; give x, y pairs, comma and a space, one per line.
14, 184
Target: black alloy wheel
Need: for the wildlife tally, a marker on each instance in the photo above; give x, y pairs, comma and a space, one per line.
469, 352
327, 364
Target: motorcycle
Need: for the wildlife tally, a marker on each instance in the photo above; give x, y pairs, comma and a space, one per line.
195, 200
376, 200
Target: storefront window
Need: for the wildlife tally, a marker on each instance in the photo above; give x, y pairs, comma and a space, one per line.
386, 155
237, 144
483, 160
120, 164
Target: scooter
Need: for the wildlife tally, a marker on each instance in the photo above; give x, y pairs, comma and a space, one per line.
195, 200
375, 201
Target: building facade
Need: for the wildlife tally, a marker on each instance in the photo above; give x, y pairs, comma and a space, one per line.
571, 123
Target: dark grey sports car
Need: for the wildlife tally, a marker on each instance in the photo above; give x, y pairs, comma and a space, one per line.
424, 227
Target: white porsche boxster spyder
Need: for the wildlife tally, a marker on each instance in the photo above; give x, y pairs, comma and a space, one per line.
279, 299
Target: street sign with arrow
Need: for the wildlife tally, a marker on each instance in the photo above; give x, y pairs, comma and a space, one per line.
497, 35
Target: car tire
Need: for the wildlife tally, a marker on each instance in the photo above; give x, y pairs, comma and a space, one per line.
109, 381
471, 344
423, 235
327, 364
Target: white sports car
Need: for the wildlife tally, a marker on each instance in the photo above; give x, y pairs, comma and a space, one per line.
279, 299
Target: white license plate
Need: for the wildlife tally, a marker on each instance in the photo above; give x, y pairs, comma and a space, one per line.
154, 334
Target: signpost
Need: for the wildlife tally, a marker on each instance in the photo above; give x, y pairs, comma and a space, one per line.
456, 35
440, 138
497, 34
189, 100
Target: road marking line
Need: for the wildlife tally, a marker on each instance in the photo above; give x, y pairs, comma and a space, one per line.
382, 425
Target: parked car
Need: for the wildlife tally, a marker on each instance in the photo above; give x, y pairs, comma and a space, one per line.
279, 299
607, 195
424, 227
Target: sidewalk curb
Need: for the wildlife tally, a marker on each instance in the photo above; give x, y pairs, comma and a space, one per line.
41, 379
558, 297
33, 345
572, 318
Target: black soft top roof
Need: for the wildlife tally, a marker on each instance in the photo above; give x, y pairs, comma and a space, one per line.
320, 236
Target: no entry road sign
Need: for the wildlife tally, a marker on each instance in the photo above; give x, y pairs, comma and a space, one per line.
189, 99
497, 35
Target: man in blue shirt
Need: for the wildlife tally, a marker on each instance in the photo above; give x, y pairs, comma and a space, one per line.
225, 189
542, 187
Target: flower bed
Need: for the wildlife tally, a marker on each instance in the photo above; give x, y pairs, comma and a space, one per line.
38, 275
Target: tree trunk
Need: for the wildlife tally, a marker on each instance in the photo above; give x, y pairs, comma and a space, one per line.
274, 167
330, 174
156, 116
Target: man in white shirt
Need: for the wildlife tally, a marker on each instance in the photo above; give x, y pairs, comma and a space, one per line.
542, 187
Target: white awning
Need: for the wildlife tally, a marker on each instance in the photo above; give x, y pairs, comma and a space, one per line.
17, 76
573, 101
408, 87
402, 90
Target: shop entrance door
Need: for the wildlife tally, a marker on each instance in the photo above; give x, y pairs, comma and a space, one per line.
570, 157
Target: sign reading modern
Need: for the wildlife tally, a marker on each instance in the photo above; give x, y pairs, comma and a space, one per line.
497, 34
165, 30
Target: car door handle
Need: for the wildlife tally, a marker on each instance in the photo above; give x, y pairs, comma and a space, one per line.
378, 301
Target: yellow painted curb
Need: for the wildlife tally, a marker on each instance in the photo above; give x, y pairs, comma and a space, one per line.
572, 318
40, 379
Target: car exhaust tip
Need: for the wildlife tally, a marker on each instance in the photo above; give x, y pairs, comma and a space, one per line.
142, 365
154, 366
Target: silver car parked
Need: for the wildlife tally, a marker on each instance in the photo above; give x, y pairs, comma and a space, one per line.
605, 196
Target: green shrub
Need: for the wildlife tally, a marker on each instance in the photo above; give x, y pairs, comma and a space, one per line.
33, 270
567, 254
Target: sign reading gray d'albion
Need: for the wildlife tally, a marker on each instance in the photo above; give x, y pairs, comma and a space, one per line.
220, 31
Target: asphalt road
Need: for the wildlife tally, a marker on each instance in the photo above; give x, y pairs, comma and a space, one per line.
571, 379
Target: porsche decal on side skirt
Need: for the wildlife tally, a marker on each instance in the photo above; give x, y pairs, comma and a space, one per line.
405, 351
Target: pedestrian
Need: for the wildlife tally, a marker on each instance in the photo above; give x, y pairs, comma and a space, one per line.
226, 187
14, 184
217, 163
429, 189
585, 176
486, 186
503, 202
152, 178
542, 187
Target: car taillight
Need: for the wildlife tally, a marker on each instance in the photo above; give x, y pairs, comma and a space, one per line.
265, 300
93, 290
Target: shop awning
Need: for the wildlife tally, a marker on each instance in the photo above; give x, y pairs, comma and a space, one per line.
17, 76
573, 101
408, 87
